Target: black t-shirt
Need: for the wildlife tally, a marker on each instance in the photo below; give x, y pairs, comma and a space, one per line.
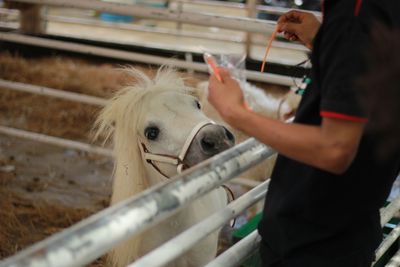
308, 209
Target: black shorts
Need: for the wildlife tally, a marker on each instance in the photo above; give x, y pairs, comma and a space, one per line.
356, 258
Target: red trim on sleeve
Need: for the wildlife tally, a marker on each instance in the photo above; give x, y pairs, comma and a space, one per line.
342, 116
323, 8
357, 8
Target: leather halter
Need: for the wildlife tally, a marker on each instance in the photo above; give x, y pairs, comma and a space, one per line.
151, 158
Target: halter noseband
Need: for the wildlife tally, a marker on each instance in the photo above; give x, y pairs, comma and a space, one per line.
171, 159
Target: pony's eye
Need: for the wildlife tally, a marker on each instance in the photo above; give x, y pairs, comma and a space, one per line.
151, 133
198, 105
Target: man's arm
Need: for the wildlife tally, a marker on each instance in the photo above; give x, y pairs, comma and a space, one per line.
330, 147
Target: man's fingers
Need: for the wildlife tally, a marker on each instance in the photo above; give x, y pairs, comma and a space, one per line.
224, 72
213, 79
291, 37
291, 16
291, 28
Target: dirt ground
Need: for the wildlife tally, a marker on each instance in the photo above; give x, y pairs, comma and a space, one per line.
44, 189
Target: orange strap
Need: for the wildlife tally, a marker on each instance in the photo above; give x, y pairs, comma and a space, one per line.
268, 48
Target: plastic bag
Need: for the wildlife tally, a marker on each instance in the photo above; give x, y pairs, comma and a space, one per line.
236, 64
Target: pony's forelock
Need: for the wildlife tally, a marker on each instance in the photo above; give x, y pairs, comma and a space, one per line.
127, 104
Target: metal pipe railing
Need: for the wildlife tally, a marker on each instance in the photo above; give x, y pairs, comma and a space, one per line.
387, 242
205, 19
235, 255
136, 57
388, 212
158, 30
45, 91
184, 241
92, 237
51, 140
395, 260
266, 9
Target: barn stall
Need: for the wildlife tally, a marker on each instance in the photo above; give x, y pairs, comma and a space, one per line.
49, 187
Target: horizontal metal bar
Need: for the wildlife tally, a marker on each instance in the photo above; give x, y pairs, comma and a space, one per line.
395, 260
135, 57
51, 140
388, 212
245, 182
41, 90
282, 10
213, 4
184, 241
9, 25
266, 9
92, 237
7, 11
141, 28
205, 19
235, 255
387, 242
182, 33
167, 31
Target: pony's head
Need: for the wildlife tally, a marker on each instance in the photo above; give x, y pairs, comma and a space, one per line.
158, 128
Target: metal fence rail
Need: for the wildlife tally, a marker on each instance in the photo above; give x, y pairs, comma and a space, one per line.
51, 140
387, 242
388, 212
205, 19
183, 242
45, 91
238, 252
136, 57
91, 238
395, 260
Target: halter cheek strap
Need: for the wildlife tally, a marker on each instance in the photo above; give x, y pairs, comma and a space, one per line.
151, 158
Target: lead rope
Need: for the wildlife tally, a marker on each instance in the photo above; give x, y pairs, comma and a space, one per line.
231, 197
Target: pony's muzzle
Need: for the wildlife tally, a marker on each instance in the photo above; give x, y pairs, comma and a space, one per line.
210, 140
214, 139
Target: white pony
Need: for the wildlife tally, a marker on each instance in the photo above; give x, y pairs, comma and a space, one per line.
158, 128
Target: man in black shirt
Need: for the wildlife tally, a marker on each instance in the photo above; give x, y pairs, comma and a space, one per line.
322, 208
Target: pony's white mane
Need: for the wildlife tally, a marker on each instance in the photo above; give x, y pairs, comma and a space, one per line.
119, 119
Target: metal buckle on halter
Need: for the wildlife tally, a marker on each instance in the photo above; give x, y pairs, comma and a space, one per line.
170, 159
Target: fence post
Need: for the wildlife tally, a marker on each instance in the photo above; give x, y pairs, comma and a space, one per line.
30, 17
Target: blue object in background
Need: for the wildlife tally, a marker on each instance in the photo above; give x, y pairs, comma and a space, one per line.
115, 17
111, 17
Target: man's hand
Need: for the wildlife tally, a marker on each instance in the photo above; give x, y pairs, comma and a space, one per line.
226, 96
299, 26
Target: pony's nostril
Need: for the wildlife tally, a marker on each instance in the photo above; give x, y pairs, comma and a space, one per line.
207, 144
229, 135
